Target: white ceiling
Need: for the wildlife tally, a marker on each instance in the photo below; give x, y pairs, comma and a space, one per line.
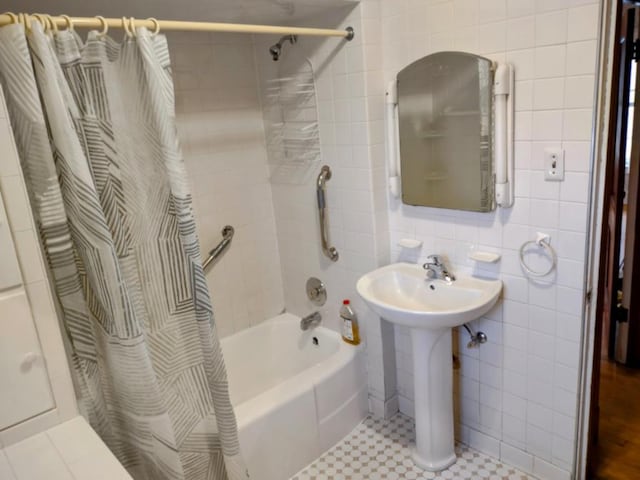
274, 12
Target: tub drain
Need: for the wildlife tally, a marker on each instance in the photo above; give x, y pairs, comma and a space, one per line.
315, 341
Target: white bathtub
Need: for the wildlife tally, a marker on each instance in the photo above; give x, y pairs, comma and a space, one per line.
293, 398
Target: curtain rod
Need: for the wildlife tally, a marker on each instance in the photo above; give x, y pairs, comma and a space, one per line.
166, 25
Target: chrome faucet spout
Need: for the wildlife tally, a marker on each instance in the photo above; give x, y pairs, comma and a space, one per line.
311, 320
436, 268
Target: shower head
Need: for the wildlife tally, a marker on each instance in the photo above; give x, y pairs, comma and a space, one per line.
276, 49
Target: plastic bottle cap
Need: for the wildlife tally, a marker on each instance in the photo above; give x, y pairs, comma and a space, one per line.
346, 302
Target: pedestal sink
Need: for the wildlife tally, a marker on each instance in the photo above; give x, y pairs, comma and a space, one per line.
401, 294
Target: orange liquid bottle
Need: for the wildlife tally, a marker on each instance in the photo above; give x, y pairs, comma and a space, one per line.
350, 327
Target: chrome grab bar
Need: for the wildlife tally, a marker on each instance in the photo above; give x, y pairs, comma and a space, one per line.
330, 252
227, 235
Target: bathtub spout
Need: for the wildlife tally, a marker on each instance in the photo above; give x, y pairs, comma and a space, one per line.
309, 321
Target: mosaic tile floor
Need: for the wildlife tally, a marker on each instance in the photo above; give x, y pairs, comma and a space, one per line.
380, 449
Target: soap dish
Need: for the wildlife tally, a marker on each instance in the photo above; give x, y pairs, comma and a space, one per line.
484, 257
409, 243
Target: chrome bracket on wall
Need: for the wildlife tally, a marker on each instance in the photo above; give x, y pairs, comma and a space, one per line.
330, 252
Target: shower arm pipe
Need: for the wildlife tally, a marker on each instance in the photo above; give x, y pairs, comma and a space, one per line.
218, 250
393, 155
330, 252
168, 25
503, 92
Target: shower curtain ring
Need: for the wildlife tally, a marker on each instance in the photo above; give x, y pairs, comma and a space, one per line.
156, 26
125, 27
132, 26
41, 20
70, 25
53, 25
23, 19
12, 16
104, 25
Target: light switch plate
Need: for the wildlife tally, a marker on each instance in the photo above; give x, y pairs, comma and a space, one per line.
553, 164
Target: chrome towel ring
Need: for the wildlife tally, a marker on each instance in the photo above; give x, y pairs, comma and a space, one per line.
542, 240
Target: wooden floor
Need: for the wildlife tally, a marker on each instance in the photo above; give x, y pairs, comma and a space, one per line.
619, 438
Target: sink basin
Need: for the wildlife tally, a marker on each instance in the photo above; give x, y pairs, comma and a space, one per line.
401, 294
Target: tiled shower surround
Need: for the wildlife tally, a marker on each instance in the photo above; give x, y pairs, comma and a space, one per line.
516, 394
221, 132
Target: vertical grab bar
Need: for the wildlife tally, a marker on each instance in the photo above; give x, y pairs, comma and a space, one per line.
330, 252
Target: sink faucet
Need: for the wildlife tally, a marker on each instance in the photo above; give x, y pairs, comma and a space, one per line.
436, 268
311, 320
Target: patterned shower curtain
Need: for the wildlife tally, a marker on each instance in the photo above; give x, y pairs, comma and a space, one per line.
95, 127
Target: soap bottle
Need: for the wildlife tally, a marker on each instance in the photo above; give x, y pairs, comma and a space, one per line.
350, 329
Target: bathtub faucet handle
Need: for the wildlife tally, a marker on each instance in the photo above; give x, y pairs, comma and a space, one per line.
316, 291
311, 320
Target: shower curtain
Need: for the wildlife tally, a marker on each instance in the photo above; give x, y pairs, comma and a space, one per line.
95, 128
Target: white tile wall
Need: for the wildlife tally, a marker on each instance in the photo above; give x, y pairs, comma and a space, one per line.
518, 392
221, 131
33, 273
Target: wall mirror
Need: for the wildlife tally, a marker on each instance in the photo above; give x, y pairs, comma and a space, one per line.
445, 130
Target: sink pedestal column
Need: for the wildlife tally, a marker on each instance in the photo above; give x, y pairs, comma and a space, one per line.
433, 385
